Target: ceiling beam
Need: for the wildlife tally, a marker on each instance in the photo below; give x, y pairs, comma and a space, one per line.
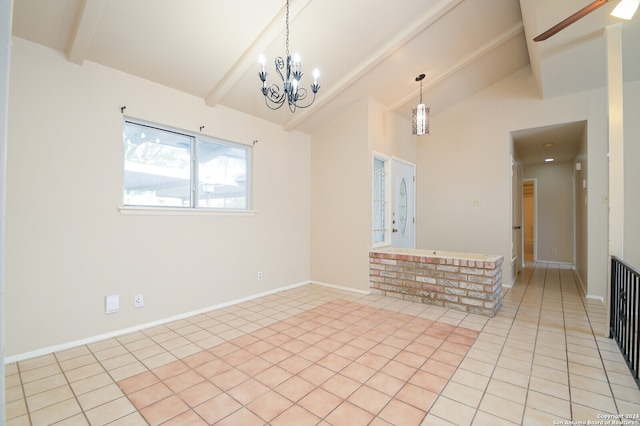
377, 57
477, 54
250, 56
85, 27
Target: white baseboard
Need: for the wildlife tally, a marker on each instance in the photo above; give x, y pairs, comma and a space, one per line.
557, 263
600, 298
116, 333
339, 287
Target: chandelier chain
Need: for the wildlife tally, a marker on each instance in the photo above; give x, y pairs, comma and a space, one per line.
287, 23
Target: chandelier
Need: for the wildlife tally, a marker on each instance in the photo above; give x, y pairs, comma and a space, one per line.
291, 92
420, 116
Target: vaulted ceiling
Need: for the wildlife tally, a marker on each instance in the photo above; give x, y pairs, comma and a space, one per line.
209, 48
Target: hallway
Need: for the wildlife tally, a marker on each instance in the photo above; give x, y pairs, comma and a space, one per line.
317, 355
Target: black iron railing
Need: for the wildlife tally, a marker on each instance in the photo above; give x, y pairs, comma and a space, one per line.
625, 304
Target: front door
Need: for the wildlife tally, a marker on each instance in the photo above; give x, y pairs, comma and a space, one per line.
403, 204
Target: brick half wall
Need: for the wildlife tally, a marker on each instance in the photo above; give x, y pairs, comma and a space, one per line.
470, 285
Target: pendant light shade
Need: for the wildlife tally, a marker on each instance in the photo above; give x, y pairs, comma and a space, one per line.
420, 116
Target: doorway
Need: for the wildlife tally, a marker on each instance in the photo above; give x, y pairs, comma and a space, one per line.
517, 261
529, 219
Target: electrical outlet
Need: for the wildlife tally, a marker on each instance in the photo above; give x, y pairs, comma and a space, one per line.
112, 303
260, 275
138, 301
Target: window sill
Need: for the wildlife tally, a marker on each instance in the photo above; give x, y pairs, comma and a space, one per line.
177, 211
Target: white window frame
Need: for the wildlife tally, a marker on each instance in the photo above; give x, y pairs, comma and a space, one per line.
193, 207
381, 206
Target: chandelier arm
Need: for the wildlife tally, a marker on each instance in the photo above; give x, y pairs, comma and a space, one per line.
274, 94
279, 63
275, 106
305, 95
275, 100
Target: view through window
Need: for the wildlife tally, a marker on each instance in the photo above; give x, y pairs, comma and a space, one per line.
168, 168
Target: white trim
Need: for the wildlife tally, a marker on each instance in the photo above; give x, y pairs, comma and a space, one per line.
339, 287
579, 279
557, 263
109, 335
182, 211
599, 298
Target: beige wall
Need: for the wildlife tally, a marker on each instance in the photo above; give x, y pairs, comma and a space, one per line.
340, 216
341, 189
67, 243
632, 173
581, 214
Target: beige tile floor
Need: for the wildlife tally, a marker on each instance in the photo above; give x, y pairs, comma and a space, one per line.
316, 355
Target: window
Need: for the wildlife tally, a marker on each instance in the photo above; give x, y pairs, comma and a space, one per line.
380, 200
170, 168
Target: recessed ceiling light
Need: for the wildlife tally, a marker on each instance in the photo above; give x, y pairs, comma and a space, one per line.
548, 145
548, 160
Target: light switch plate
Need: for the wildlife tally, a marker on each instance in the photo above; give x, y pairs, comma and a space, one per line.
112, 302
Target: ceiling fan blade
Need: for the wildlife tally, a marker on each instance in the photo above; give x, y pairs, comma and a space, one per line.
571, 19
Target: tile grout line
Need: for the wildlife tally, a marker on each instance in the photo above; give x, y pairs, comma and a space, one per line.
539, 311
604, 368
484, 392
24, 393
535, 345
68, 383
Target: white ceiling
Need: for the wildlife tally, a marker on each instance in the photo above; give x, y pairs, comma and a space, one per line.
559, 142
209, 48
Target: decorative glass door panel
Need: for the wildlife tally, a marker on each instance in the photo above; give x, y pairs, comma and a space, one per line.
403, 202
